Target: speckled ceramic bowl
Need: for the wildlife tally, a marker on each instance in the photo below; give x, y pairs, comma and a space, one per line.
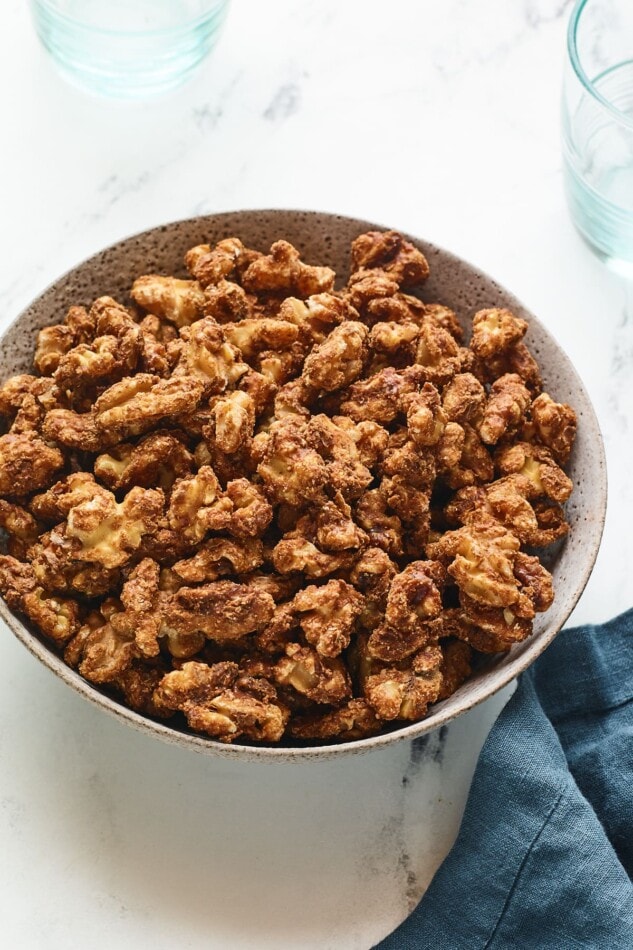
325, 239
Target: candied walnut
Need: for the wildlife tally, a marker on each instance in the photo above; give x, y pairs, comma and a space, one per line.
27, 463
518, 360
198, 505
412, 506
471, 462
355, 720
292, 399
444, 317
449, 452
253, 336
282, 270
281, 628
414, 598
208, 357
234, 420
16, 580
223, 703
317, 315
398, 308
388, 251
227, 302
29, 418
229, 258
261, 390
227, 467
496, 331
138, 684
504, 499
55, 504
14, 391
335, 529
251, 513
327, 615
414, 465
319, 679
297, 554
82, 323
20, 526
464, 399
379, 398
109, 532
535, 581
426, 419
338, 360
439, 354
55, 341
157, 355
551, 524
279, 366
374, 295
555, 426
372, 574
52, 344
111, 355
140, 617
505, 409
345, 471
394, 339
291, 470
384, 530
279, 588
179, 301
403, 694
455, 666
221, 610
370, 438
101, 653
535, 463
496, 628
415, 595
58, 568
219, 557
157, 461
56, 617
76, 430
91, 364
139, 402
480, 557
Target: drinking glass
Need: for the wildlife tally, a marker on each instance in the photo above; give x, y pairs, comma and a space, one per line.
597, 120
128, 48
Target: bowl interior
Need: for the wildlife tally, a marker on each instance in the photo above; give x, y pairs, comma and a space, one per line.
325, 239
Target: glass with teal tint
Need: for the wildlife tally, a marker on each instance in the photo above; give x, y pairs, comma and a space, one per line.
598, 127
128, 48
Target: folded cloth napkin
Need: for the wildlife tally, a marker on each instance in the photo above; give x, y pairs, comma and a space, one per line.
544, 855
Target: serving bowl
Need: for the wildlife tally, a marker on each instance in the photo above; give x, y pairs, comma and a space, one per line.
325, 239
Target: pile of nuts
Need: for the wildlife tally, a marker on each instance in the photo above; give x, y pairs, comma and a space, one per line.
277, 510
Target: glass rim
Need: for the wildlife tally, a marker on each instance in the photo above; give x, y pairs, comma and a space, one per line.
154, 31
572, 50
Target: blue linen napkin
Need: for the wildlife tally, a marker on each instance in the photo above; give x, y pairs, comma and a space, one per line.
544, 855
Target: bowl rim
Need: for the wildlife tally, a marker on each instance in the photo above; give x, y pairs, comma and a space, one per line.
496, 680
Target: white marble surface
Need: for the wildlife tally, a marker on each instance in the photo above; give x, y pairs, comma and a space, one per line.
439, 117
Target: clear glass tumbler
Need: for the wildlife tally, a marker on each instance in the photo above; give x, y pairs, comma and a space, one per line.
128, 48
597, 123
